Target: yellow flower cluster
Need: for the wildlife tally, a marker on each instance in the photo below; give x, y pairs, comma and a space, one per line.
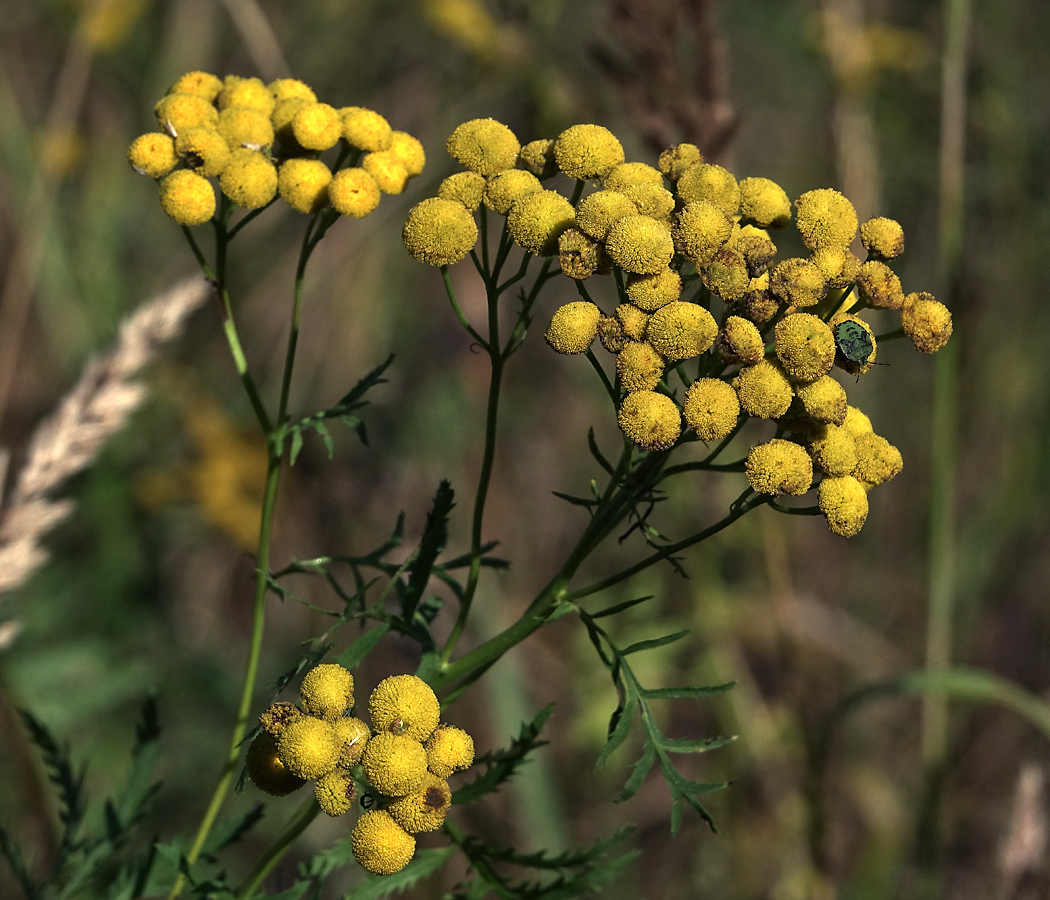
686, 224
260, 141
407, 761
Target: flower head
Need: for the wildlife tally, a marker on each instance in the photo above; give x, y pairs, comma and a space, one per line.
596, 212
404, 704
153, 154
856, 422
825, 219
387, 169
449, 749
354, 734
579, 256
926, 321
805, 346
764, 202
327, 691
206, 151
764, 390
650, 292
622, 176
317, 126
380, 845
504, 189
726, 276
439, 232
178, 111
711, 408
633, 322
638, 365
681, 330
834, 450
203, 84
844, 503
653, 200
700, 230
779, 467
650, 419
759, 305
538, 157
287, 88
883, 238
798, 282
712, 183
303, 184
484, 146
573, 327
266, 770
245, 92
425, 809
408, 151
879, 285
353, 192
366, 129
837, 264
823, 400
740, 341
249, 178
877, 459
394, 764
464, 187
587, 151
335, 793
537, 220
187, 198
244, 126
309, 747
675, 160
277, 715
639, 244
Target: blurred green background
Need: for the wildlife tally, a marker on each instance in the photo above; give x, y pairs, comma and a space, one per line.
148, 587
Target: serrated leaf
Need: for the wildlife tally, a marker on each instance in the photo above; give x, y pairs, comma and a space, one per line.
425, 863
11, 852
684, 693
504, 763
639, 770
639, 646
353, 655
620, 607
430, 545
326, 437
297, 446
697, 745
623, 719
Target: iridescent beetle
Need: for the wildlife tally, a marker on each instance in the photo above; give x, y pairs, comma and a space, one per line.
855, 343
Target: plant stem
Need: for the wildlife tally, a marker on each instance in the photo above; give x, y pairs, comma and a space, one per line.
295, 827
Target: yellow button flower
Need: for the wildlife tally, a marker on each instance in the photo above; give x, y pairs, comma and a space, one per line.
205, 150
726, 276
537, 220
838, 264
439, 232
883, 238
449, 749
282, 117
879, 285
798, 282
387, 169
580, 256
610, 333
639, 244
712, 183
877, 459
246, 92
425, 809
380, 845
394, 764
408, 151
309, 747
639, 366
739, 341
764, 390
289, 88
844, 503
633, 322
596, 212
825, 219
353, 192
303, 184
711, 408
573, 327
317, 126
587, 151
153, 154
354, 735
622, 176
366, 129
856, 422
538, 157
266, 770
681, 330
465, 187
244, 126
764, 202
834, 449
824, 400
484, 146
176, 112
676, 160
336, 793
187, 198
327, 691
779, 467
805, 346
700, 231
926, 321
404, 704
203, 84
653, 200
650, 292
504, 189
249, 178
650, 420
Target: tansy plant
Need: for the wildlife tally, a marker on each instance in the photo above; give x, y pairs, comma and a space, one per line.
709, 334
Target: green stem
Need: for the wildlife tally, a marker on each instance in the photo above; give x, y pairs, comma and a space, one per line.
451, 291
295, 827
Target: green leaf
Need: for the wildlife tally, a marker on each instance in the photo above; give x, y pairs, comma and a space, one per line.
585, 502
9, 849
430, 545
230, 831
326, 437
297, 446
638, 772
353, 655
698, 745
654, 643
684, 693
502, 764
620, 607
425, 863
619, 727
597, 454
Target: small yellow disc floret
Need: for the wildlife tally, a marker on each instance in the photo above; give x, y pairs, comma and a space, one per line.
439, 232
205, 150
303, 184
537, 220
484, 146
844, 503
764, 202
779, 467
249, 179
653, 200
639, 244
834, 449
681, 330
176, 112
187, 198
425, 809
883, 238
387, 169
856, 422
289, 88
317, 126
203, 84
824, 400
243, 126
394, 764
309, 747
639, 366
825, 219
153, 154
366, 129
879, 285
404, 704
327, 691
246, 92
633, 322
805, 346
877, 459
650, 419
798, 282
764, 390
573, 327
449, 750
622, 176
353, 192
408, 151
587, 151
380, 845
650, 292
465, 187
926, 321
504, 189
711, 408
335, 793
712, 183
700, 230
266, 770
597, 212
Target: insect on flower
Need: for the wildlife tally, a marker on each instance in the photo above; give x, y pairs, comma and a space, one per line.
855, 343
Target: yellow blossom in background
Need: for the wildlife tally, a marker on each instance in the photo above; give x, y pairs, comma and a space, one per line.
484, 146
61, 148
470, 24
249, 178
844, 503
153, 154
825, 218
926, 321
203, 84
106, 23
366, 129
537, 220
464, 187
639, 366
711, 408
706, 181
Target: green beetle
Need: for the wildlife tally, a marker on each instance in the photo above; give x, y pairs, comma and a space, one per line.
853, 341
